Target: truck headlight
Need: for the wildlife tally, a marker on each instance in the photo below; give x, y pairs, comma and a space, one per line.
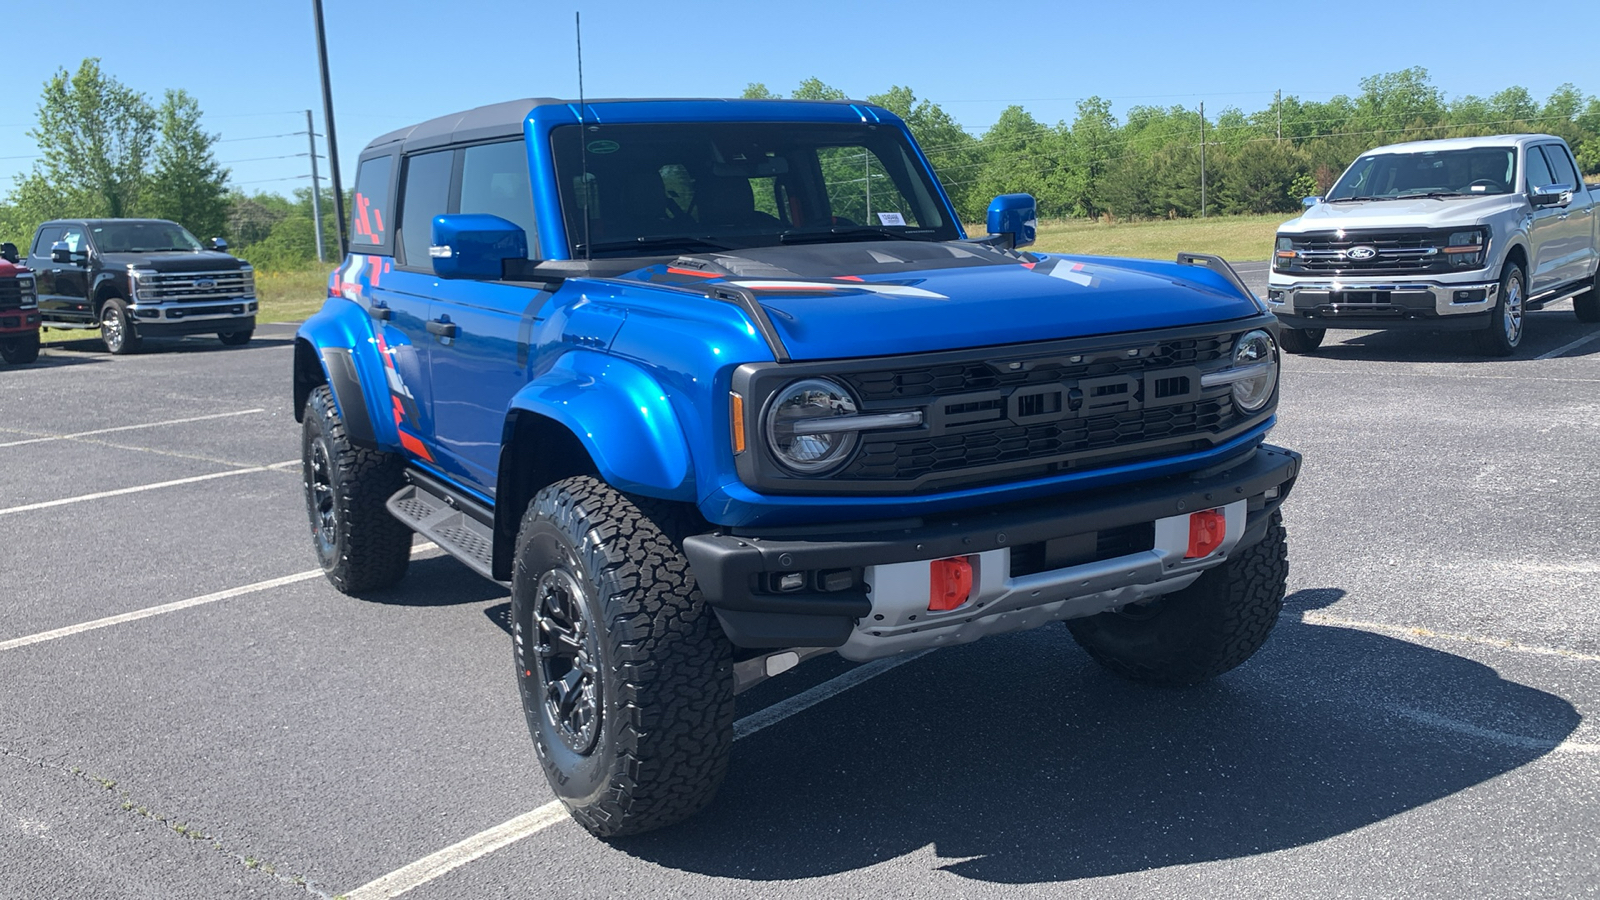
1283, 252
248, 285
1255, 352
1465, 249
797, 429
139, 282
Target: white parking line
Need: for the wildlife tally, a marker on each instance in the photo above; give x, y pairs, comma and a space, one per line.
1572, 346
147, 612
505, 834
68, 437
147, 487
1493, 736
1315, 618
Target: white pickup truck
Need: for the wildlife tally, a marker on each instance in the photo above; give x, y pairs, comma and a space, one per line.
1464, 234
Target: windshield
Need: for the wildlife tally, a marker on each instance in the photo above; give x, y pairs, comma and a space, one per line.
143, 237
697, 186
1387, 176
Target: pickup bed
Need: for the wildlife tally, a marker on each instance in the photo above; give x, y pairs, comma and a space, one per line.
717, 386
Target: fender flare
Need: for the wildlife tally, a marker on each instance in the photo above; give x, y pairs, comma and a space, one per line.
328, 350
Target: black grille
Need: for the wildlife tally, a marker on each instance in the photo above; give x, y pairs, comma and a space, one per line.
10, 293
961, 378
1393, 253
886, 459
1078, 549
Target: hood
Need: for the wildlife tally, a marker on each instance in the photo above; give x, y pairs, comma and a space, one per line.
829, 301
7, 270
1414, 213
174, 261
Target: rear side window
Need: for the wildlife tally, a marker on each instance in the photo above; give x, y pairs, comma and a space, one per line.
48, 235
426, 194
370, 219
1538, 169
494, 181
1561, 165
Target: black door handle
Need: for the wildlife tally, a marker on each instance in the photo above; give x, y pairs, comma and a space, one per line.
442, 328
381, 313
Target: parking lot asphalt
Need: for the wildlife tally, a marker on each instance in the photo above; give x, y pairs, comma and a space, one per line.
187, 710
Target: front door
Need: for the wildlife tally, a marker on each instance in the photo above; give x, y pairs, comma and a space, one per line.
63, 287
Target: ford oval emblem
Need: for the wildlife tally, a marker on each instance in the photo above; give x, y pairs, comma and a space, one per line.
212, 282
1361, 253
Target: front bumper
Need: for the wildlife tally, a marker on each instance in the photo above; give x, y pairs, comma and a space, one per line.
176, 319
1382, 303
881, 612
19, 321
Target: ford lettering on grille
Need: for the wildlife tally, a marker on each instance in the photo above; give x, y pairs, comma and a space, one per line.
1080, 398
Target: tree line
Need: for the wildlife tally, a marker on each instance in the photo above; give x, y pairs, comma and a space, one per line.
106, 150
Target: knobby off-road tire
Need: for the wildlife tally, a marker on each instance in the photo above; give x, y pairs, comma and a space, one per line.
1201, 631
1587, 305
625, 674
1301, 340
21, 350
360, 545
236, 338
116, 328
1507, 321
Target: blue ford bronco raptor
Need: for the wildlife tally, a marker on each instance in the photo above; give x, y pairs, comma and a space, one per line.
717, 386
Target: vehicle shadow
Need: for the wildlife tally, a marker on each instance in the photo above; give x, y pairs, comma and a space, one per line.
1020, 762
48, 360
163, 346
1546, 330
437, 581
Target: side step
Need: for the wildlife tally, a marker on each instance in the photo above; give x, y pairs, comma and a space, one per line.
459, 524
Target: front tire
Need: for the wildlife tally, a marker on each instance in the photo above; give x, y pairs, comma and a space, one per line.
360, 545
116, 328
625, 674
1301, 340
1198, 633
236, 338
20, 351
1503, 334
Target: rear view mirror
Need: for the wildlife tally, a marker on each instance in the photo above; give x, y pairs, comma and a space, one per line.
1016, 217
60, 252
1551, 195
218, 244
475, 246
1308, 202
8, 252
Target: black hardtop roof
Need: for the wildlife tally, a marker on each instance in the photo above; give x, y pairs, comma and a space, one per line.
505, 119
106, 221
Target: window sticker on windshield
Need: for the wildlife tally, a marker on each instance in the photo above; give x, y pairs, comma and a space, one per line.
604, 146
891, 218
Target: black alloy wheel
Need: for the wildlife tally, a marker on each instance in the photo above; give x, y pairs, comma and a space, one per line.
567, 658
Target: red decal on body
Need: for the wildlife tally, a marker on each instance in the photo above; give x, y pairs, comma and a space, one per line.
851, 278
674, 270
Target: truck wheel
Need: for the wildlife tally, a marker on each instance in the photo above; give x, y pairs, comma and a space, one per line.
236, 338
625, 675
361, 546
1301, 340
22, 350
116, 328
1504, 332
1587, 306
1201, 631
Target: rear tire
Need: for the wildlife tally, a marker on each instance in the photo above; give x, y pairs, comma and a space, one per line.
361, 546
1503, 334
1587, 306
236, 338
625, 674
21, 350
1301, 340
116, 328
1200, 632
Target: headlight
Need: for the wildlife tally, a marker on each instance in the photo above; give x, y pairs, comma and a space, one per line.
25, 286
795, 429
249, 287
1283, 252
1254, 353
1465, 248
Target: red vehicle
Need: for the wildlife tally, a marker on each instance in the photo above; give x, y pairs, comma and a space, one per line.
19, 310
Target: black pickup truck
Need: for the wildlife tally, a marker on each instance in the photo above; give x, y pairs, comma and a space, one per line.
139, 278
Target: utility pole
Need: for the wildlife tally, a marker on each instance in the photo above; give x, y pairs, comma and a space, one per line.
1202, 159
868, 155
1277, 107
316, 185
327, 119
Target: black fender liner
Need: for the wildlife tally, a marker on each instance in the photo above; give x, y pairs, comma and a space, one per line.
347, 392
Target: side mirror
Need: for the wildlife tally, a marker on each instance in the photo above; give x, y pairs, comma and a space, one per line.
218, 244
8, 252
475, 245
1551, 195
1308, 202
61, 253
1015, 216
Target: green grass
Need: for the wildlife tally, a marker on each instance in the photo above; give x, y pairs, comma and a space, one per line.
1236, 238
284, 297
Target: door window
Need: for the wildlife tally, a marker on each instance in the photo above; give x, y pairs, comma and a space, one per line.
494, 181
426, 194
47, 235
1538, 169
1561, 165
369, 216
74, 238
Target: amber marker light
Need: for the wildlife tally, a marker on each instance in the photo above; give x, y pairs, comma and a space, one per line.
736, 420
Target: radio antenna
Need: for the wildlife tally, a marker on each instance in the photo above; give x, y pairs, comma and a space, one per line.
583, 141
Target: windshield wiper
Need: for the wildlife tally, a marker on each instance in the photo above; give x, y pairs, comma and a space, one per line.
656, 242
1432, 195
850, 233
1352, 199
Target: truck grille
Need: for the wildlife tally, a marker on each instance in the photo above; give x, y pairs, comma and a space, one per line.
10, 293
180, 287
1392, 253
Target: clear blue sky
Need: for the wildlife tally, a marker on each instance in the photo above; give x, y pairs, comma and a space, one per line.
252, 63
